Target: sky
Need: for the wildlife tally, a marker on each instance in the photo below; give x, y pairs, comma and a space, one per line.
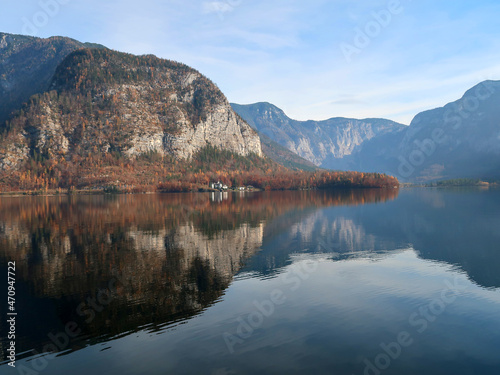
314, 59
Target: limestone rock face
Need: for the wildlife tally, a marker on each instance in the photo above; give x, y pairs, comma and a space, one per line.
13, 151
324, 143
48, 137
106, 101
222, 128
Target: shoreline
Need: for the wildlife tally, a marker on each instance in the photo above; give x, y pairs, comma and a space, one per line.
55, 193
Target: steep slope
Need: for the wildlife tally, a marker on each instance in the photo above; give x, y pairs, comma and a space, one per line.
108, 102
27, 65
324, 143
459, 140
284, 156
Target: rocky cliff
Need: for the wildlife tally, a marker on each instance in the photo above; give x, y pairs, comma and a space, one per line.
101, 101
324, 143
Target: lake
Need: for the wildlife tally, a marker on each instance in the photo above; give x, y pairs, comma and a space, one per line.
311, 282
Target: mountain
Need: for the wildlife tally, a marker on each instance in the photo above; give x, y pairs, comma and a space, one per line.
112, 121
284, 156
324, 143
27, 65
106, 101
459, 140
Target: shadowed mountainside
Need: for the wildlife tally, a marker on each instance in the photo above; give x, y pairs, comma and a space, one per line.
27, 65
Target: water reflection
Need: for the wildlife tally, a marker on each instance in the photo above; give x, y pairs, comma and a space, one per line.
150, 264
454, 226
112, 264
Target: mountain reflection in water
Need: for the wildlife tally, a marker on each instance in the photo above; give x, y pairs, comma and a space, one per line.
112, 264
145, 264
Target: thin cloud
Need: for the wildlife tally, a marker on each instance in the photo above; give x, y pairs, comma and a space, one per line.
287, 51
219, 7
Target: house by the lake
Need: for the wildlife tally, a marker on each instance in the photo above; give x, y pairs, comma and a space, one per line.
218, 186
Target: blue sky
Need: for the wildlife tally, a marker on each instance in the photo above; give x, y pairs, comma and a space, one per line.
314, 59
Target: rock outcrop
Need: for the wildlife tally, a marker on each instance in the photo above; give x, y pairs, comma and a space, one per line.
324, 143
222, 128
13, 151
110, 102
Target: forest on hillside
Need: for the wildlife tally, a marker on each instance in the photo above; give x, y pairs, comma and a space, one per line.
115, 172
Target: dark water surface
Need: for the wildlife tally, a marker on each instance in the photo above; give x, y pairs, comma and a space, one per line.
339, 282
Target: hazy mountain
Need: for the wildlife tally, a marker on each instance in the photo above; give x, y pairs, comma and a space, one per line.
459, 140
27, 65
324, 143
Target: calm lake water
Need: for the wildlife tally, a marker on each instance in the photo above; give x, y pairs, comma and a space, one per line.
338, 282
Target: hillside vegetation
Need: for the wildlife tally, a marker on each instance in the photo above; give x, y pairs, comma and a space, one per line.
111, 121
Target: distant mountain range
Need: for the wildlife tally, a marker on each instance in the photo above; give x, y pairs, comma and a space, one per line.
323, 143
459, 140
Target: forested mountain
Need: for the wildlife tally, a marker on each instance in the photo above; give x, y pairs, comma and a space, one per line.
115, 105
27, 65
111, 120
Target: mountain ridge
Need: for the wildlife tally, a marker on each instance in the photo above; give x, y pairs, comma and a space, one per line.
324, 143
27, 65
113, 121
458, 140
111, 101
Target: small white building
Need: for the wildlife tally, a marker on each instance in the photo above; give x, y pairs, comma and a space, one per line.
218, 185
